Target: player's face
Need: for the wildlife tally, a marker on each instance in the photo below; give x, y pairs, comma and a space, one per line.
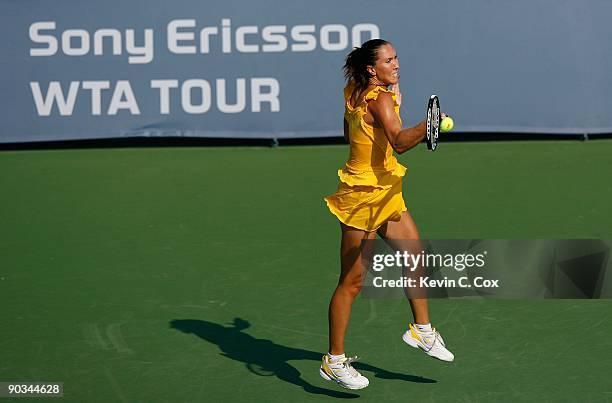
387, 65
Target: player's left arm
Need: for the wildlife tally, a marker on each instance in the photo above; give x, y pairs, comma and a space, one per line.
346, 131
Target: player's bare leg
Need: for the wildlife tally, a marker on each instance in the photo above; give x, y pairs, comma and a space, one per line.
335, 366
349, 285
401, 235
405, 230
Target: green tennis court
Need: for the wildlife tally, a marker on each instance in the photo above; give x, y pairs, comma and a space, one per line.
204, 274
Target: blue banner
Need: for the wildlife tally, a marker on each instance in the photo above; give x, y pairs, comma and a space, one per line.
271, 69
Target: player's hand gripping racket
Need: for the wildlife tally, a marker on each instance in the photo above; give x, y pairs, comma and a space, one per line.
433, 122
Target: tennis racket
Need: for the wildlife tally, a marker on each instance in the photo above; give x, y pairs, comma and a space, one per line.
433, 122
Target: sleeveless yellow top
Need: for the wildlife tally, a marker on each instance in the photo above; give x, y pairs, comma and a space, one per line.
370, 189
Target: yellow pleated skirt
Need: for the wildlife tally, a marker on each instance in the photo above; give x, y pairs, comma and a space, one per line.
367, 207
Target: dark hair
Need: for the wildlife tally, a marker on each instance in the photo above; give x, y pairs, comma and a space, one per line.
355, 67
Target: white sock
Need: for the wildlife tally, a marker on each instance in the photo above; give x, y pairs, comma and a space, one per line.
335, 358
423, 328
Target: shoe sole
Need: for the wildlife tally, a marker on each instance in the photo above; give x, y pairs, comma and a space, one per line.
413, 343
328, 378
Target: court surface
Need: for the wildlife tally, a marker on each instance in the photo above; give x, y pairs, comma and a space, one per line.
204, 274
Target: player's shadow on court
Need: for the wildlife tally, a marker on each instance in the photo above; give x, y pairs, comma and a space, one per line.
266, 358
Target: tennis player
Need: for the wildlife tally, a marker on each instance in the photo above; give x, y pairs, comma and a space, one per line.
369, 199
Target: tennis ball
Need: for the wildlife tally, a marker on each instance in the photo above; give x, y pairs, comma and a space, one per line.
447, 124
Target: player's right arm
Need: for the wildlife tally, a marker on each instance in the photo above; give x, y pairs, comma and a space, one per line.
402, 140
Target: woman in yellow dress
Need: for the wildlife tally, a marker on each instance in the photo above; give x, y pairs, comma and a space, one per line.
369, 198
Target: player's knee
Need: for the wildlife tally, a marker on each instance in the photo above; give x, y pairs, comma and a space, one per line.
352, 285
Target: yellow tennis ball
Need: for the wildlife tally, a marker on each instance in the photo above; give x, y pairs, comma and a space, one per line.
447, 124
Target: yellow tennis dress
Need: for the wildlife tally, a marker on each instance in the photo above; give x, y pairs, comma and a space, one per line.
370, 189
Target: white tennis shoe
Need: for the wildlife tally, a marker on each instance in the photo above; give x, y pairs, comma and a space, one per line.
343, 372
429, 341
